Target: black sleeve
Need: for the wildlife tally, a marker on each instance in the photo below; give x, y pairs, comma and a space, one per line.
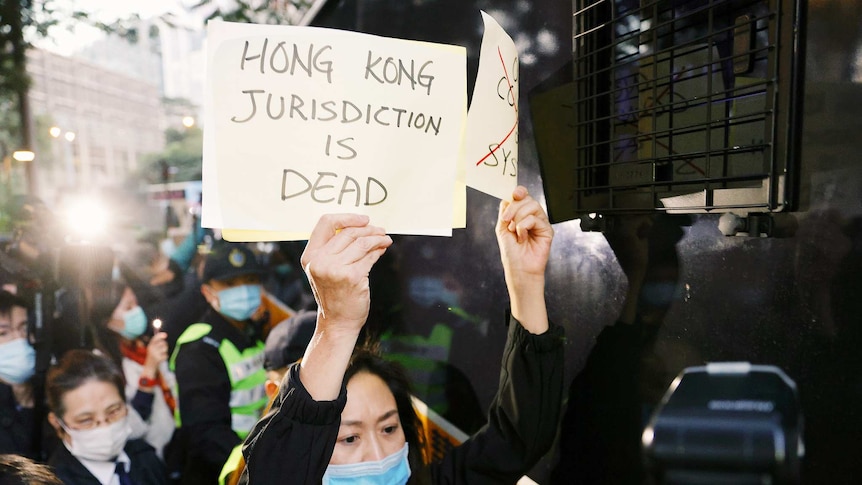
296, 437
204, 400
523, 417
142, 402
601, 428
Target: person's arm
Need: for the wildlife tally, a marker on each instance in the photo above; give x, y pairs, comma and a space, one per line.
524, 414
157, 352
296, 438
185, 252
340, 253
524, 235
295, 422
142, 403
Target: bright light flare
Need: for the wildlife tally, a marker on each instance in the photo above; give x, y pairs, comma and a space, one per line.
188, 121
87, 219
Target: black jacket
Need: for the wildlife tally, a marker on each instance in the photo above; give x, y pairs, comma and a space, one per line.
294, 442
146, 467
16, 426
205, 439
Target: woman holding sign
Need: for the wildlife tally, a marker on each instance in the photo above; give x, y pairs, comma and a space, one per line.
346, 417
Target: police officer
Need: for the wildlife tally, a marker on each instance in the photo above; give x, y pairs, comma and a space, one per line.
219, 367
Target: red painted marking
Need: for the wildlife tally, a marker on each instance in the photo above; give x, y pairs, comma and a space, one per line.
506, 73
498, 145
515, 105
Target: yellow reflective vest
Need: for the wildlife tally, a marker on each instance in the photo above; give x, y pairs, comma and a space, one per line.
245, 371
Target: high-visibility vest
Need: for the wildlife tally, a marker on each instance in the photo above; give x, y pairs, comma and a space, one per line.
423, 358
231, 466
245, 371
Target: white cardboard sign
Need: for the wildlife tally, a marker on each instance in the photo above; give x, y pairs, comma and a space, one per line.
303, 121
492, 123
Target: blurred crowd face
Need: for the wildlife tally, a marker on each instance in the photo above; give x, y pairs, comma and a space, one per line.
370, 425
13, 325
93, 425
237, 298
91, 405
17, 358
158, 270
128, 318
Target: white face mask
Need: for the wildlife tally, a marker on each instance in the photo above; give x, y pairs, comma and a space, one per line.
102, 443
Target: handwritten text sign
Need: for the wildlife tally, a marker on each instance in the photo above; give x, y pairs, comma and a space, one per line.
492, 123
306, 121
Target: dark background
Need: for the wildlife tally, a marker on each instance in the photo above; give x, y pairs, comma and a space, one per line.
793, 302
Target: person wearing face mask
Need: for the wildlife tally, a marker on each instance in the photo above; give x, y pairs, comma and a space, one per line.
344, 416
89, 413
17, 366
218, 364
124, 334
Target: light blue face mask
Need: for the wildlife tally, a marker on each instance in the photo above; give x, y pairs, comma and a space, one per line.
134, 323
392, 470
428, 290
239, 302
17, 361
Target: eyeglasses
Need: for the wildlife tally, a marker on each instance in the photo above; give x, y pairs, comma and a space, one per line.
114, 414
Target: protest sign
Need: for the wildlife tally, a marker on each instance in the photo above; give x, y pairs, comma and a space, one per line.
303, 121
492, 124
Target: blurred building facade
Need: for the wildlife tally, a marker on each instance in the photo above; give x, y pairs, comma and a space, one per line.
168, 52
100, 123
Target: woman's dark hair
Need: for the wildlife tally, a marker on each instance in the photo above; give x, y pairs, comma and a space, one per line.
18, 470
9, 300
367, 358
76, 368
104, 298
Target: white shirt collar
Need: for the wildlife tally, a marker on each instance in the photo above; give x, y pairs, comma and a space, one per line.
105, 471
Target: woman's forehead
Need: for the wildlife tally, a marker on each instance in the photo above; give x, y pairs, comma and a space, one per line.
368, 398
11, 323
91, 396
14, 317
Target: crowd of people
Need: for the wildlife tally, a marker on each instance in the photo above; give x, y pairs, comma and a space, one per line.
212, 366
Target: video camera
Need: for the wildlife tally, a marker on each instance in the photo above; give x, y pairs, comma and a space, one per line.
726, 423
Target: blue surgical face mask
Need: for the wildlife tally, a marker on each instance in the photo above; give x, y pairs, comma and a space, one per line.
392, 470
428, 290
239, 302
17, 361
134, 323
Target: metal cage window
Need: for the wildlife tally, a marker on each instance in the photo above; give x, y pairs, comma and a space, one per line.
685, 106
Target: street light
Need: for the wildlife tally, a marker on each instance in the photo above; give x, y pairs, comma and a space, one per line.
24, 155
69, 136
188, 121
56, 131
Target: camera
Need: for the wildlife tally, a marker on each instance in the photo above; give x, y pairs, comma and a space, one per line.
726, 423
